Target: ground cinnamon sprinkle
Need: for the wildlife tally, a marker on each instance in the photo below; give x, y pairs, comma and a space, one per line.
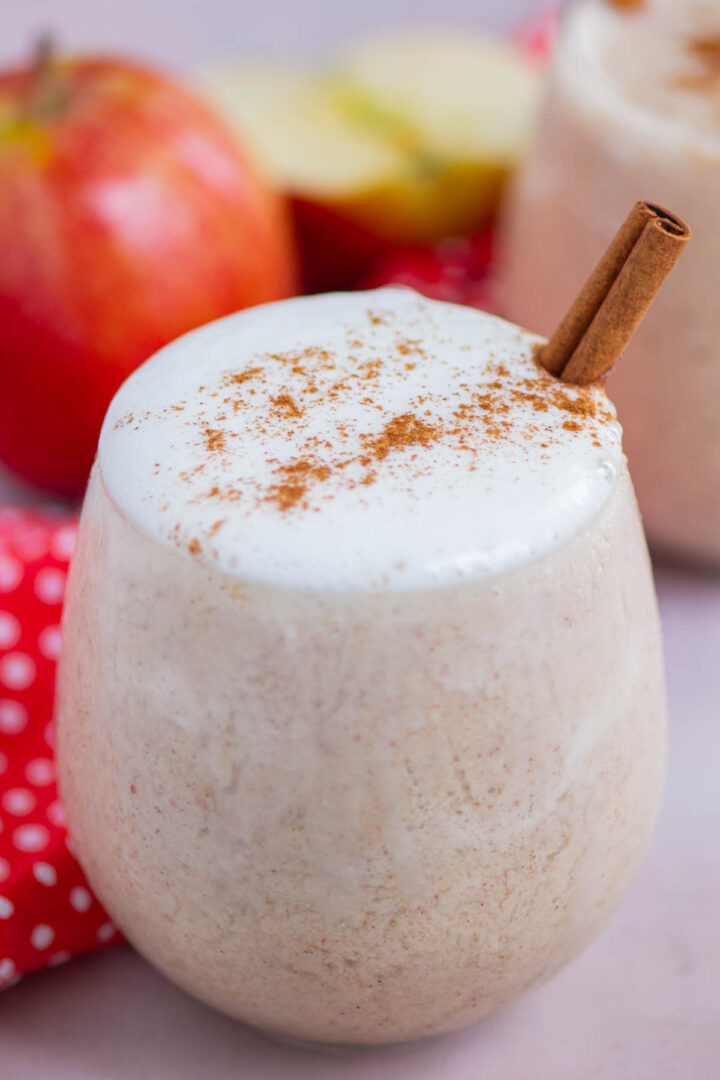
295, 480
225, 494
352, 446
400, 432
285, 404
407, 346
483, 416
241, 377
215, 440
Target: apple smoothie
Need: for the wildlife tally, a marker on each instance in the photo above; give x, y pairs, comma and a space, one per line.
634, 108
361, 707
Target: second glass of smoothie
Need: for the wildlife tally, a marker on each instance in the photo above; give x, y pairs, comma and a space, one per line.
634, 109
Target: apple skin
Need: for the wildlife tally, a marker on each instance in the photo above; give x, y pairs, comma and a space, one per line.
334, 250
128, 215
339, 243
457, 270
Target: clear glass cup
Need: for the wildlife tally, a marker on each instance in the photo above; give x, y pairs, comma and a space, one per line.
602, 145
367, 815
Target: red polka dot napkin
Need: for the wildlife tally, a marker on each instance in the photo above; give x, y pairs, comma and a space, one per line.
47, 911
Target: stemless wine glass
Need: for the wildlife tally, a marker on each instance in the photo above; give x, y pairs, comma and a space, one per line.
357, 807
628, 114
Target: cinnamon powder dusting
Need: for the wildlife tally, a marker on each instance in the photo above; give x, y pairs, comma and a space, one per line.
399, 433
354, 438
295, 480
241, 377
215, 440
285, 404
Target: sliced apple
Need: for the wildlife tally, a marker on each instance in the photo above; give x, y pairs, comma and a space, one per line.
298, 125
408, 138
466, 96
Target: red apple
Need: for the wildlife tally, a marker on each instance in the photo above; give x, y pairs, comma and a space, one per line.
128, 215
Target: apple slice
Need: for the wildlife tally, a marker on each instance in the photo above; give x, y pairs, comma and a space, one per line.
410, 137
467, 97
300, 130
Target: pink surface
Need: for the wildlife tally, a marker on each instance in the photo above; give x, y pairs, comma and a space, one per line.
642, 1003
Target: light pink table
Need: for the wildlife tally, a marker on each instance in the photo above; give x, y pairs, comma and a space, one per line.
643, 1003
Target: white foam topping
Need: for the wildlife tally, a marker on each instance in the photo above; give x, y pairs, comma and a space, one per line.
359, 440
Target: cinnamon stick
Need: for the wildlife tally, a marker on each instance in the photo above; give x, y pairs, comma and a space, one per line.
612, 304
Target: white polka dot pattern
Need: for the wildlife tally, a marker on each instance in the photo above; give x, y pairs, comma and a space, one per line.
56, 815
18, 801
7, 971
13, 717
47, 911
105, 932
63, 542
31, 838
42, 936
50, 585
40, 772
44, 873
11, 573
17, 671
80, 898
9, 630
49, 642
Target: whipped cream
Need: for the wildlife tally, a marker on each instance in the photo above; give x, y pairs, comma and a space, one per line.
366, 440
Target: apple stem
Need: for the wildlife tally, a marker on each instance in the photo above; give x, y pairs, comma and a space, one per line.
46, 95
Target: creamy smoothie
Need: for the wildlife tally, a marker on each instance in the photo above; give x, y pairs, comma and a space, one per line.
361, 710
634, 111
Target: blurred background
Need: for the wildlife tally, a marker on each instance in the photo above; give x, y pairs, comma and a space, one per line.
386, 134
185, 32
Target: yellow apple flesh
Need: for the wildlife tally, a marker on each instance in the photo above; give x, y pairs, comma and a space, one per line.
409, 137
